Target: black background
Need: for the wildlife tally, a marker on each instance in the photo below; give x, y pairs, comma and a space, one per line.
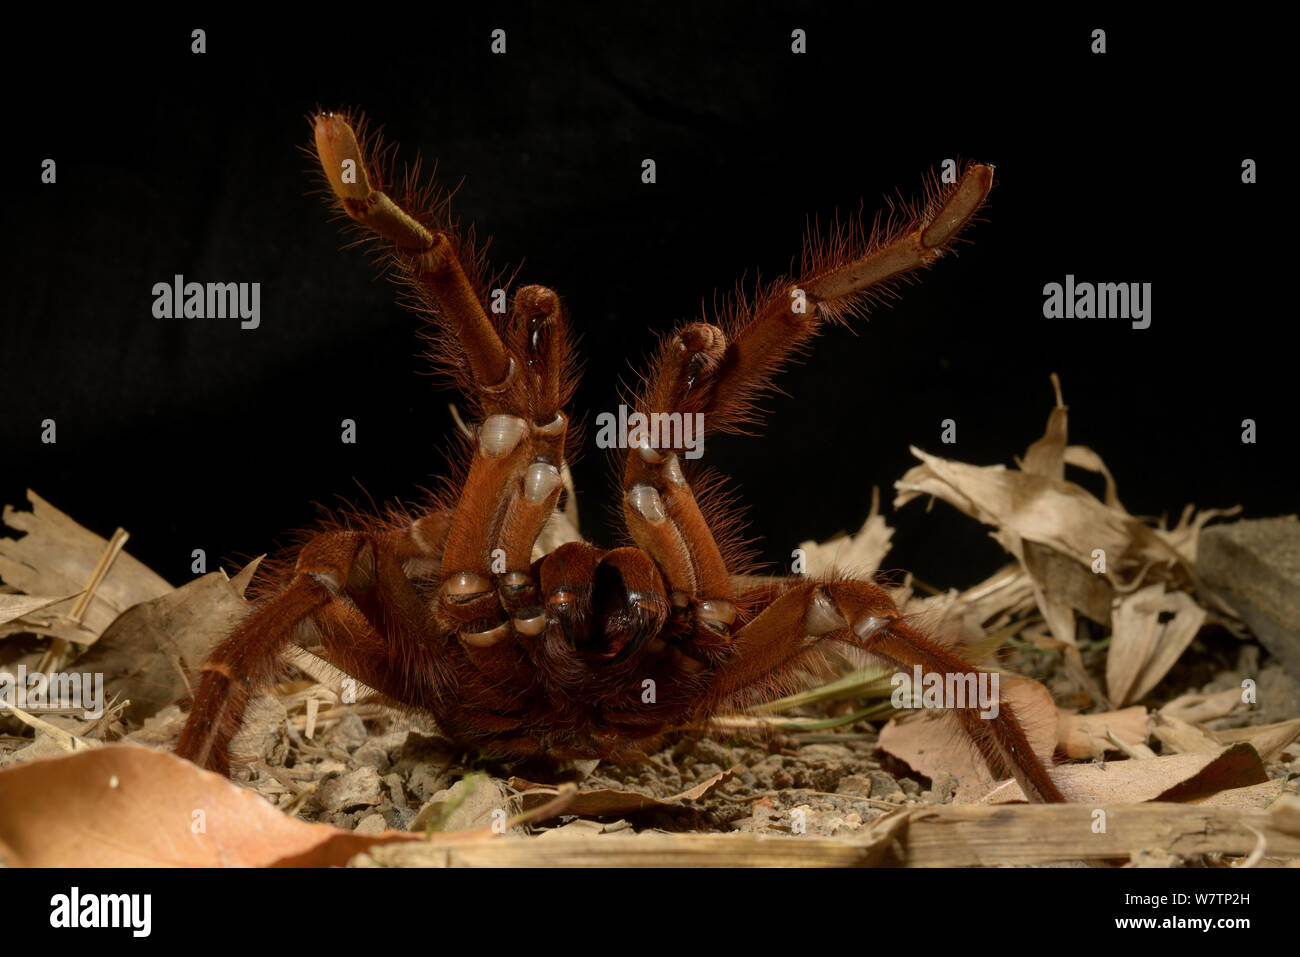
196, 434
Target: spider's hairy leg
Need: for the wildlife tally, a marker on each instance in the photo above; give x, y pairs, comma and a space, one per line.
513, 485
787, 636
337, 574
722, 371
427, 256
662, 514
517, 379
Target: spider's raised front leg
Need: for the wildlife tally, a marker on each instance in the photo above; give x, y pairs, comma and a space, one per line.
712, 375
720, 371
517, 381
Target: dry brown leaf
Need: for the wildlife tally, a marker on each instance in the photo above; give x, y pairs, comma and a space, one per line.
1083, 457
1182, 737
603, 802
1053, 512
1197, 708
57, 557
1055, 609
1047, 455
147, 653
1256, 797
856, 556
1084, 735
1006, 594
1268, 739
127, 806
1074, 585
1143, 648
1178, 777
19, 606
1056, 529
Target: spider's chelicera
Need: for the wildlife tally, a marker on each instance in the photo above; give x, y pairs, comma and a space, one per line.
584, 652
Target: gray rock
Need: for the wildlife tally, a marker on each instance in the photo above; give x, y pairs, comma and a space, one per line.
372, 824
825, 752
711, 752
395, 789
356, 789
1255, 566
350, 731
371, 753
467, 804
885, 788
425, 781
398, 818
766, 770
858, 785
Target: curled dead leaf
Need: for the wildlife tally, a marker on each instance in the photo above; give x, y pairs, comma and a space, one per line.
128, 806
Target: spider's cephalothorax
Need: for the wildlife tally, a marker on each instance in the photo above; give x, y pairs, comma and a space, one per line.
583, 652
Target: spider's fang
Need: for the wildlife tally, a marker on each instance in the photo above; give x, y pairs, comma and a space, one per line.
487, 638
694, 366
540, 481
552, 428
530, 621
499, 434
506, 379
648, 452
645, 500
674, 471
537, 326
823, 616
713, 611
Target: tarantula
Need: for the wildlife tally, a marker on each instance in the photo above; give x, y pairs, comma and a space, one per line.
584, 652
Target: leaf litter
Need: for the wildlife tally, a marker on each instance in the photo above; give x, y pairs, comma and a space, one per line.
1090, 623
